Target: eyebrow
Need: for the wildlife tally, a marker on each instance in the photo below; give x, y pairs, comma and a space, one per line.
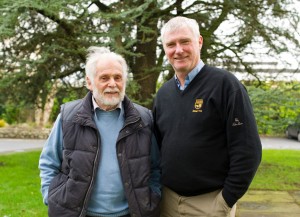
180, 40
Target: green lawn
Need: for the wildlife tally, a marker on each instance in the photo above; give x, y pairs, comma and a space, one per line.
20, 186
20, 183
279, 170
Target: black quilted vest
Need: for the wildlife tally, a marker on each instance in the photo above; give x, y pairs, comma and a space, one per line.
70, 190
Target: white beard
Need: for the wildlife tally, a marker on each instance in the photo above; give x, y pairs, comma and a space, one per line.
113, 101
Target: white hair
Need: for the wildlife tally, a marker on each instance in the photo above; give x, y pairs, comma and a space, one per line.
180, 22
96, 54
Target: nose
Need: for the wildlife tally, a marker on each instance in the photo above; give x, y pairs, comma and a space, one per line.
112, 82
178, 49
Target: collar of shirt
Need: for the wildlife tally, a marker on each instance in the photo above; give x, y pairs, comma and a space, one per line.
191, 75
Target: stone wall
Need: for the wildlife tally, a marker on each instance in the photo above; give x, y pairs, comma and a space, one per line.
24, 132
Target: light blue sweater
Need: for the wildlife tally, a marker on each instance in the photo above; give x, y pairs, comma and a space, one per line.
108, 194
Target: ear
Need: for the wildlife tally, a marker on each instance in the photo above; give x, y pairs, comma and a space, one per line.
200, 42
89, 83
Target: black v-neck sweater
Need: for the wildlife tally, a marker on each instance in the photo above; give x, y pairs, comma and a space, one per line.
208, 135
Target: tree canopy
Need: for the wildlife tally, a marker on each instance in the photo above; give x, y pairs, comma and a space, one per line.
43, 43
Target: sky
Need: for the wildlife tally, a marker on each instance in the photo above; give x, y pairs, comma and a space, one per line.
280, 62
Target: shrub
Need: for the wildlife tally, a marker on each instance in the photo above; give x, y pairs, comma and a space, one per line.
2, 123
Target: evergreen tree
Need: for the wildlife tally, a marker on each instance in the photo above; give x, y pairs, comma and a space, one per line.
43, 43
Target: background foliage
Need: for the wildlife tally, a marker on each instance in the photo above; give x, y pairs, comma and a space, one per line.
43, 44
275, 104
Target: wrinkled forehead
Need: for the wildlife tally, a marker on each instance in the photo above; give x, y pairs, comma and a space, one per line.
109, 65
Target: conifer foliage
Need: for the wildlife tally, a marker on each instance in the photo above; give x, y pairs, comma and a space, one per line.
43, 43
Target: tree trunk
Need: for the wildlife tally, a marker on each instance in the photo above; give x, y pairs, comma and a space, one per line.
144, 68
43, 109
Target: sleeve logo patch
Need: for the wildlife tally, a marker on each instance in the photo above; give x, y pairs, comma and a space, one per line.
236, 122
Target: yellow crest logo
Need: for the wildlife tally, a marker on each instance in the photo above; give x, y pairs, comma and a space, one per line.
198, 105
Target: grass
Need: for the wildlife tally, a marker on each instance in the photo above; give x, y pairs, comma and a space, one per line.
20, 182
279, 170
20, 186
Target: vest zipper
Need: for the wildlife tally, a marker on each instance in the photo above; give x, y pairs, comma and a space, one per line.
93, 175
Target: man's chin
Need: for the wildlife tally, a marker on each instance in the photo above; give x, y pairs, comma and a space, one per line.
181, 67
114, 101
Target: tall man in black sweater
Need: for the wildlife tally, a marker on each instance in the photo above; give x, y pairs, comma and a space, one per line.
206, 128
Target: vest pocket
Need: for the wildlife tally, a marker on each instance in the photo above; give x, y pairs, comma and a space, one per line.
56, 184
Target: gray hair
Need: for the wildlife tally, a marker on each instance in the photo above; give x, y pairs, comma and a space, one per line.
180, 22
96, 54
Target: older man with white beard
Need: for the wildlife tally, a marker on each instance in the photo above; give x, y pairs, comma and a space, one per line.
101, 158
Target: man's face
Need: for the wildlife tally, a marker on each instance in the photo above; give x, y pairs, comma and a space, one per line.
108, 85
182, 49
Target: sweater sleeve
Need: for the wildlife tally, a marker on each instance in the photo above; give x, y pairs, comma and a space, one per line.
50, 158
244, 146
155, 167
